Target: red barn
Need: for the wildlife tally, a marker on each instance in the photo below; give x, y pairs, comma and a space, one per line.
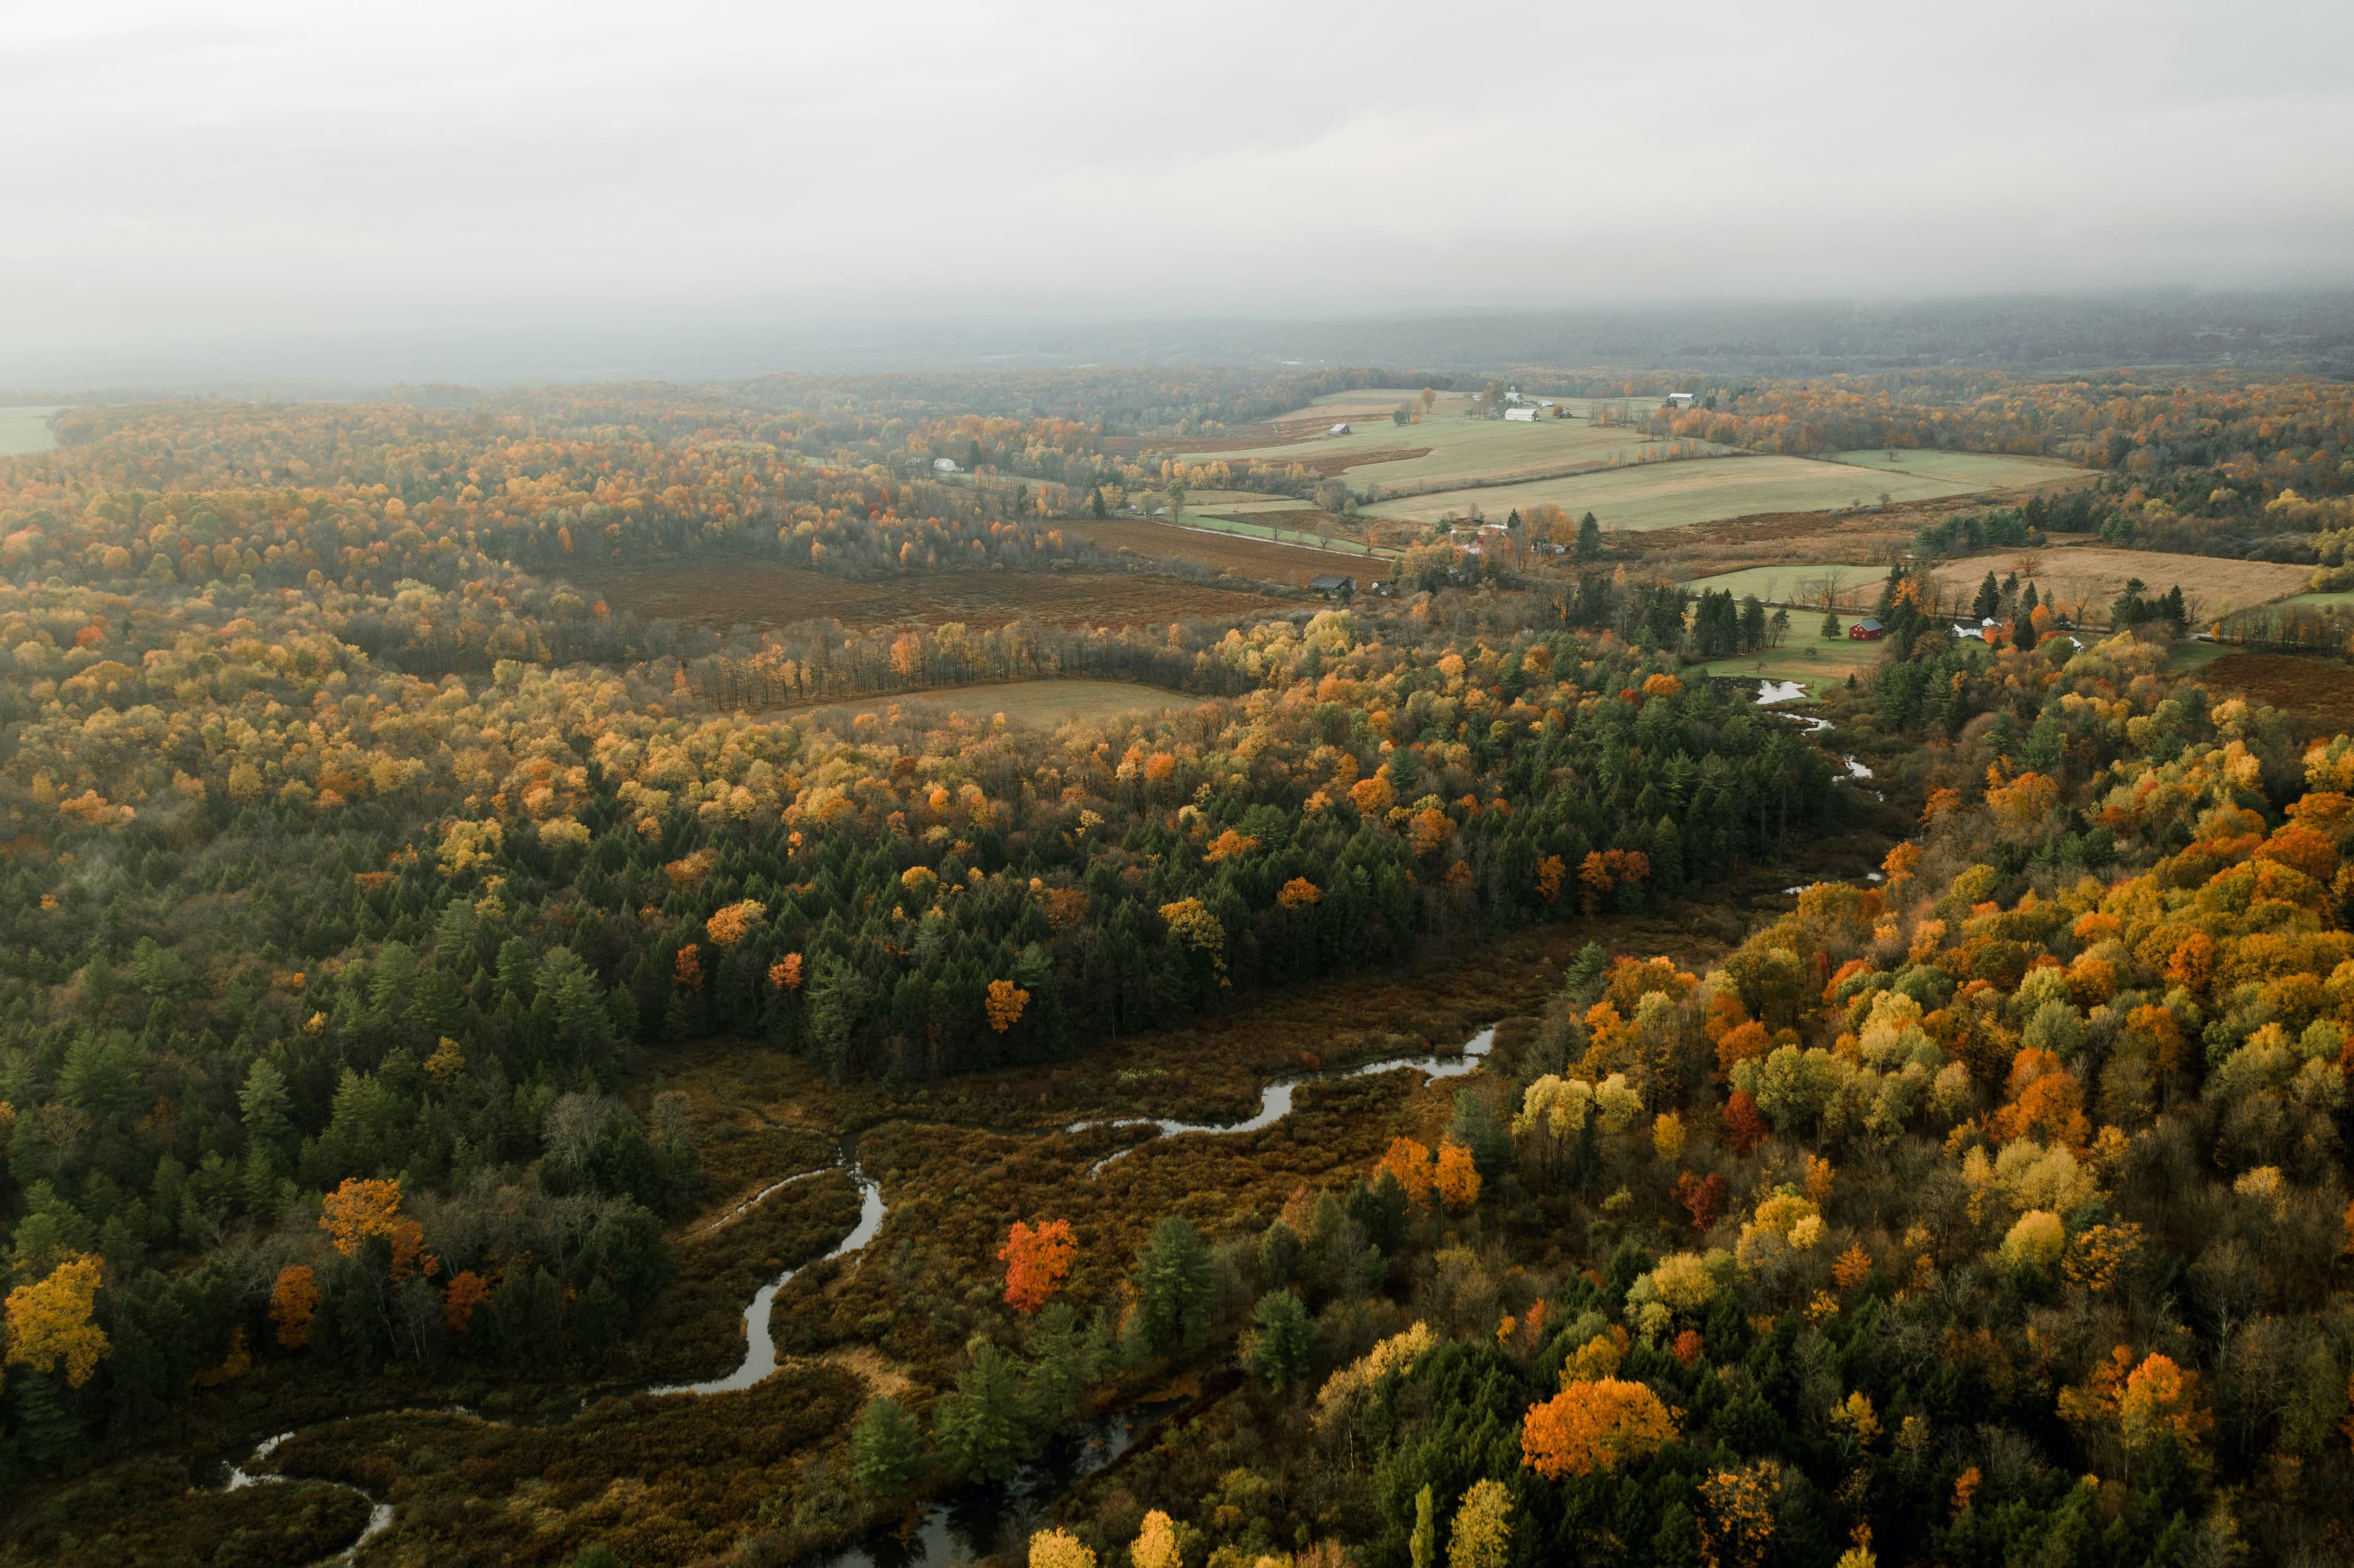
1866, 630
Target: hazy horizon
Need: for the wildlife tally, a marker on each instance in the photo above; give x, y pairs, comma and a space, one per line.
236, 192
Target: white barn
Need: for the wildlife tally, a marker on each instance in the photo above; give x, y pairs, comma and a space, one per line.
1526, 415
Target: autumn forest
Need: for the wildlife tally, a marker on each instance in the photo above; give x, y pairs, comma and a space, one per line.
1451, 1066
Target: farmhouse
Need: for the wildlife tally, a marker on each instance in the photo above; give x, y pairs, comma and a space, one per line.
1332, 583
1526, 413
1866, 630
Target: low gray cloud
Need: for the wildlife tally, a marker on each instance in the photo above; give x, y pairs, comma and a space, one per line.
250, 169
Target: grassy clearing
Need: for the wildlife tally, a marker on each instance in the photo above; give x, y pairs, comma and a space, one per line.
1047, 703
1275, 525
26, 430
1798, 583
1804, 657
2342, 601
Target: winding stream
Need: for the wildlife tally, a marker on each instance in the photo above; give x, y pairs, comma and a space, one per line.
976, 1520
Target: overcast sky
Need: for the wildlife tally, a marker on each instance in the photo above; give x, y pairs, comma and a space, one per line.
199, 170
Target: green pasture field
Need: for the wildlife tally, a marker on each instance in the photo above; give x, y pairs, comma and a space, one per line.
1707, 490
25, 431
1045, 704
1797, 584
1805, 656
2189, 655
2341, 600
1979, 470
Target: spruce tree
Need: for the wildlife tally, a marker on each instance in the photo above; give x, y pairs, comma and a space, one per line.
1174, 1283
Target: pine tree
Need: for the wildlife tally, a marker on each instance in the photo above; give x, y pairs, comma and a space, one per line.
1589, 537
1831, 628
979, 1425
1280, 1353
886, 1448
1174, 1285
1990, 600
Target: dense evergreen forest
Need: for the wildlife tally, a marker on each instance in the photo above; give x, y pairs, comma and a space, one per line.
380, 911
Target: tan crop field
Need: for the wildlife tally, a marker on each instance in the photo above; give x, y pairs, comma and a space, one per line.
722, 593
1043, 704
2092, 574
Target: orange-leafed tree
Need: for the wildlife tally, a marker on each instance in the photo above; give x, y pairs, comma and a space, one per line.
1591, 1426
359, 1209
467, 1290
1037, 1260
293, 1300
1409, 1161
1456, 1178
1004, 1004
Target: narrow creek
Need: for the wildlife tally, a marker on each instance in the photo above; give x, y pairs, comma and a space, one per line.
975, 1521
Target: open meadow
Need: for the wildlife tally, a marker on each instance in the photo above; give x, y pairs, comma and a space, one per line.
721, 593
26, 430
1706, 490
1798, 583
1047, 705
1806, 656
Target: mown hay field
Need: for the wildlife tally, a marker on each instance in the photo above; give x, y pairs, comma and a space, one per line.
26, 429
1708, 490
724, 592
1046, 704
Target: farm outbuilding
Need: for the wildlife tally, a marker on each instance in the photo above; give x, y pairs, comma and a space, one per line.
1866, 630
1340, 429
944, 465
1332, 583
1526, 414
